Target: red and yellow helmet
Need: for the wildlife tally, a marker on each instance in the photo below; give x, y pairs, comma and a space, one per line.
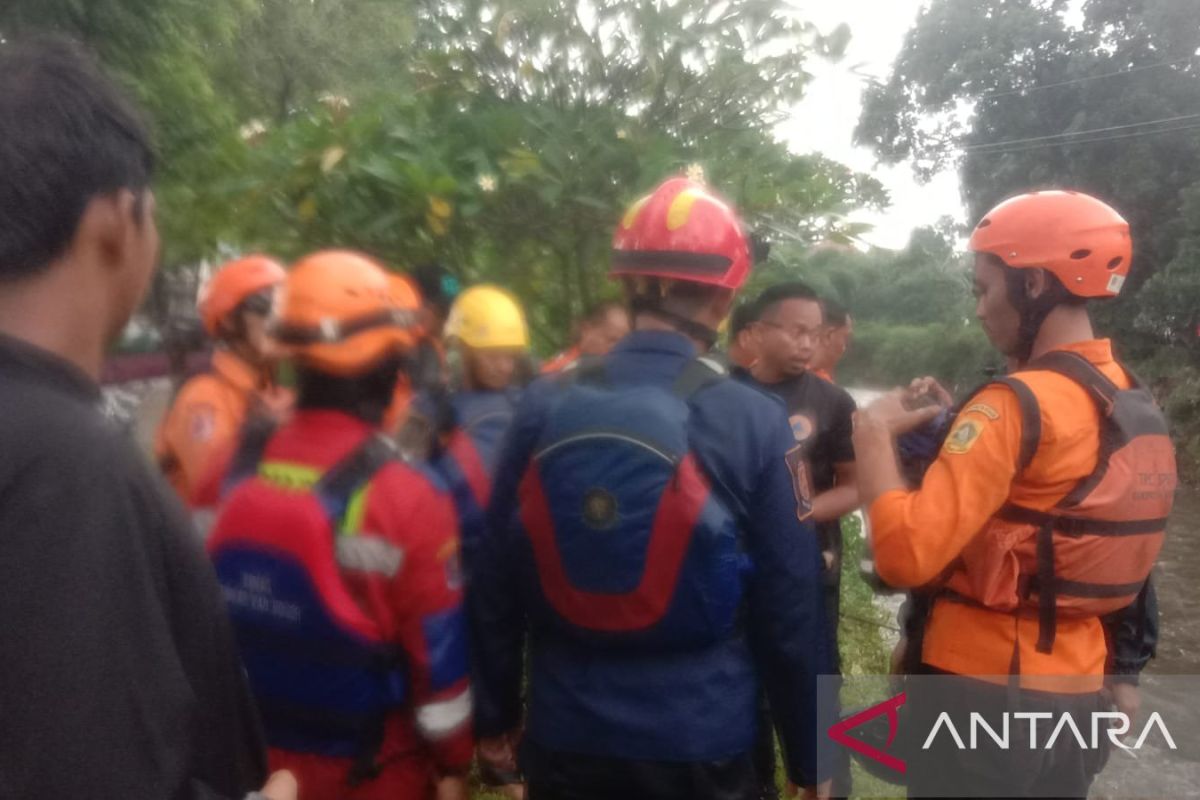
232, 284
1079, 239
682, 232
339, 314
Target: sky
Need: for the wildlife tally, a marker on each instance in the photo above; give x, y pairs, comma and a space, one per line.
824, 121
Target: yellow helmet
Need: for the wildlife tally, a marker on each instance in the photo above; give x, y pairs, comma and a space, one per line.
487, 317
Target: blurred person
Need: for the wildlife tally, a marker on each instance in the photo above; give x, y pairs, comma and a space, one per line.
743, 347
407, 297
835, 339
645, 538
207, 415
119, 676
1013, 523
599, 331
340, 561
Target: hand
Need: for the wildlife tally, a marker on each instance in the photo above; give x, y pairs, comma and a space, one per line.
498, 753
1128, 700
281, 786
818, 792
275, 403
929, 387
453, 788
891, 409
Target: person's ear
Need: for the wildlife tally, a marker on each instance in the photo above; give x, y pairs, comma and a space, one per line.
721, 304
1035, 283
103, 228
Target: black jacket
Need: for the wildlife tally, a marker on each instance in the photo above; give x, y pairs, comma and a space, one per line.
118, 676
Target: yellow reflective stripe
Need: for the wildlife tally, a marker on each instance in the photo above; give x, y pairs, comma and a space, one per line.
355, 511
290, 476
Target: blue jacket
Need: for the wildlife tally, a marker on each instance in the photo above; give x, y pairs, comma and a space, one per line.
691, 706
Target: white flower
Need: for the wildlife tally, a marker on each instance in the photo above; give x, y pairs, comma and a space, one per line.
252, 130
622, 133
695, 172
334, 102
487, 183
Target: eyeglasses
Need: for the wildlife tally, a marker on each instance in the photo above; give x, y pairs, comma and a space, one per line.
795, 333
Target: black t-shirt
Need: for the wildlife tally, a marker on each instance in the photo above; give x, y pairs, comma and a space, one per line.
821, 415
119, 677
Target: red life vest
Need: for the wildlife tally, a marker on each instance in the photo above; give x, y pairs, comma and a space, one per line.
1092, 552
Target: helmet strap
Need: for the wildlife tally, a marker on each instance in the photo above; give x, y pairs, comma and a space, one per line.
1032, 311
643, 304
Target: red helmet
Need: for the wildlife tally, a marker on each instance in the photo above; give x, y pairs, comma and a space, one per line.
682, 231
1080, 240
232, 284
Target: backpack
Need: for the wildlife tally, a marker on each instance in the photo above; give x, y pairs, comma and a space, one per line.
628, 541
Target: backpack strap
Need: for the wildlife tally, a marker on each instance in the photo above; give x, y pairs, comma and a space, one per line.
338, 486
697, 374
1083, 372
336, 491
256, 433
1031, 420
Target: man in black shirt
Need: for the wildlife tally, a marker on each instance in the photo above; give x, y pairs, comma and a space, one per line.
789, 321
118, 677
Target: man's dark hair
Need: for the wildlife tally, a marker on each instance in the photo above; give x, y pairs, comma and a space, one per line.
836, 315
67, 135
768, 302
744, 315
365, 396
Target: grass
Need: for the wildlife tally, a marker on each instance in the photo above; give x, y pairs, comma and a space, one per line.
864, 650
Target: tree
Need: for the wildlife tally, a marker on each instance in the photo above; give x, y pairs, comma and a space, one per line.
1015, 97
522, 132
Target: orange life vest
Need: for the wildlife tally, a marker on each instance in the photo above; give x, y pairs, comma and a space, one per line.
1091, 553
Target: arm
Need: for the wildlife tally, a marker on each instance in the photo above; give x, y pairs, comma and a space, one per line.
841, 499
432, 631
786, 615
496, 612
1133, 636
916, 534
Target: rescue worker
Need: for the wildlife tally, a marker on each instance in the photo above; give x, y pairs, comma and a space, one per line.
645, 532
339, 561
599, 331
1014, 521
206, 417
835, 340
119, 676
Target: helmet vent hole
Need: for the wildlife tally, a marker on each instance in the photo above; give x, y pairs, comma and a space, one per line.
1116, 262
983, 223
1079, 255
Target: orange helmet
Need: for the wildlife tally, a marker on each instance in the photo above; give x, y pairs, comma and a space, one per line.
338, 315
1080, 240
232, 284
682, 231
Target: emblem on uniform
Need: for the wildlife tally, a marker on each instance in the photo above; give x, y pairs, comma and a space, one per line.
963, 437
802, 427
801, 481
599, 509
202, 422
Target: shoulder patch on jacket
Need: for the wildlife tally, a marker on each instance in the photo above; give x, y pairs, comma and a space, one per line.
983, 409
963, 436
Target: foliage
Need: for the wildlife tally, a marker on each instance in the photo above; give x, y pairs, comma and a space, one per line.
991, 86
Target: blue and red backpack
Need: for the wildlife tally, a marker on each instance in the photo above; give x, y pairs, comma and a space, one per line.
628, 541
323, 675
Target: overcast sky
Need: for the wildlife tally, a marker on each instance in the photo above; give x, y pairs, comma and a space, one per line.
825, 120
